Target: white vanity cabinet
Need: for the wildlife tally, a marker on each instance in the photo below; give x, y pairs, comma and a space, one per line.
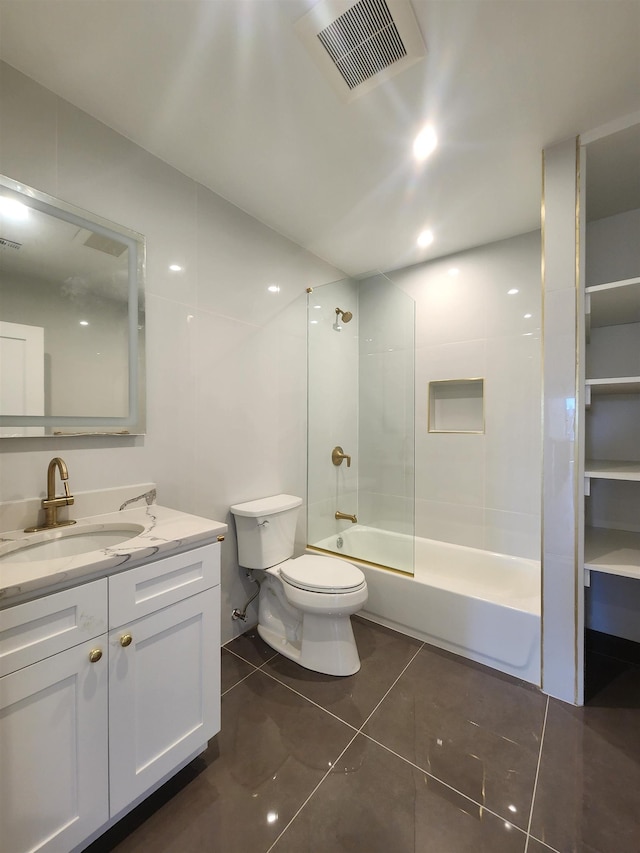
106, 690
164, 669
53, 720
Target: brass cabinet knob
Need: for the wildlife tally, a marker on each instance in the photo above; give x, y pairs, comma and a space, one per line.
220, 538
125, 640
95, 655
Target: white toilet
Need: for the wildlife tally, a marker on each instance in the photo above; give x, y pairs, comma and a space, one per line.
305, 604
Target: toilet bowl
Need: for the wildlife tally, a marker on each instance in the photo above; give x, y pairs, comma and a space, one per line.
305, 603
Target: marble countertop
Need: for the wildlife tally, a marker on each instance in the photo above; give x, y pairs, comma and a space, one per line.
166, 531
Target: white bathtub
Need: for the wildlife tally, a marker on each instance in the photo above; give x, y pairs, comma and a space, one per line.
479, 604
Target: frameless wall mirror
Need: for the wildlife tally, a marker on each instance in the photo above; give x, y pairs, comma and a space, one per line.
71, 319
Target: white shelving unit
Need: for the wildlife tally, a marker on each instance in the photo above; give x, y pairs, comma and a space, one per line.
615, 385
613, 303
612, 551
609, 469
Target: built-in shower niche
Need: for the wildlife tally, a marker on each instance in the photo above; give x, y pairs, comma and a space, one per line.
456, 405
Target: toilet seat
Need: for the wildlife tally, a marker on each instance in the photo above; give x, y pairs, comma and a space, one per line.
322, 574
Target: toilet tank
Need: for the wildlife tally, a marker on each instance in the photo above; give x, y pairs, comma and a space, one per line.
266, 530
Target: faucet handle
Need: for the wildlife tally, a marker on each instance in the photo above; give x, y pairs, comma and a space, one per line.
338, 454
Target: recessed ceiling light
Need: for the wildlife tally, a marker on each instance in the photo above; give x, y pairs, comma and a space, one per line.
13, 209
425, 143
425, 238
528, 316
175, 268
274, 288
513, 291
84, 322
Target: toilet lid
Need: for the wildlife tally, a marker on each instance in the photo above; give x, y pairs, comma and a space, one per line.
322, 574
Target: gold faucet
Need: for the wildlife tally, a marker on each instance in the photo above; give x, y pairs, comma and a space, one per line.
338, 455
346, 517
51, 503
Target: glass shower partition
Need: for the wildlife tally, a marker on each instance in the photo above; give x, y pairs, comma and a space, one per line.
360, 465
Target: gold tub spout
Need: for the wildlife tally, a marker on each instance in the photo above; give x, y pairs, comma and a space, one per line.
51, 503
346, 517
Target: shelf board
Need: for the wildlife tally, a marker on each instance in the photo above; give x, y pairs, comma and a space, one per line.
613, 303
614, 552
607, 469
614, 385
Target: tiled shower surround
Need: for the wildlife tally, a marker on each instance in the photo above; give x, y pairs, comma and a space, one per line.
419, 751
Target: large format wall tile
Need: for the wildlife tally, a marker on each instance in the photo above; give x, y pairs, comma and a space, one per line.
478, 314
27, 131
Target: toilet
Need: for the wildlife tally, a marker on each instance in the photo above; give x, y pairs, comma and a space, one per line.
305, 604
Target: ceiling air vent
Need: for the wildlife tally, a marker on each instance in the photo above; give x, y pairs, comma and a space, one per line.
9, 244
359, 45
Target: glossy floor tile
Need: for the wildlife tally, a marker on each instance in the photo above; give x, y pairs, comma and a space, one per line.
588, 793
477, 730
233, 669
374, 801
383, 656
419, 752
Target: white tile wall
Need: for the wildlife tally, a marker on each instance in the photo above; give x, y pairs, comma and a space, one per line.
333, 407
226, 366
386, 405
459, 523
481, 490
28, 132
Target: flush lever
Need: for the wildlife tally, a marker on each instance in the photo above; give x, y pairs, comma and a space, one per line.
338, 454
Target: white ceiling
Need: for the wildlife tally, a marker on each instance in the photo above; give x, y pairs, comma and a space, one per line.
224, 91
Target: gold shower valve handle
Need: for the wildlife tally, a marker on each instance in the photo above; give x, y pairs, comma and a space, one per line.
338, 454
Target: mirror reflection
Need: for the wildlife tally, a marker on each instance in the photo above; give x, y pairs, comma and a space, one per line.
71, 319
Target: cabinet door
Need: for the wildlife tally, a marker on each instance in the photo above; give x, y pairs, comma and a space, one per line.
164, 693
54, 751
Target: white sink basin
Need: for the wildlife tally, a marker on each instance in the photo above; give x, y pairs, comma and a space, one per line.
67, 542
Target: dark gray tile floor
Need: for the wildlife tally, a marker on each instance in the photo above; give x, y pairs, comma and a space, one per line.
419, 751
